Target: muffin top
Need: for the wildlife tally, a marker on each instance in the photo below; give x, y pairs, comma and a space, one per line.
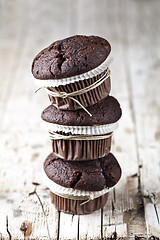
70, 57
104, 112
92, 175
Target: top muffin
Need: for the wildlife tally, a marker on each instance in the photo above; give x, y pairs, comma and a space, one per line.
70, 57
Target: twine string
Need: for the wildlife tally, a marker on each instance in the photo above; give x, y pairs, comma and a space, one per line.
58, 136
54, 93
81, 198
81, 106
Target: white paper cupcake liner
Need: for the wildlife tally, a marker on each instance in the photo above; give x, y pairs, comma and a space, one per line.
57, 82
58, 189
82, 130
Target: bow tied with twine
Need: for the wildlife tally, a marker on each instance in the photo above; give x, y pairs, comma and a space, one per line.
54, 93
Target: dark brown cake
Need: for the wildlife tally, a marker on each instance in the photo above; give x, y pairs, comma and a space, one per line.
104, 112
87, 175
71, 56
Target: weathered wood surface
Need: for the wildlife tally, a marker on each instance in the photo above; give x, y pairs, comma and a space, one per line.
132, 27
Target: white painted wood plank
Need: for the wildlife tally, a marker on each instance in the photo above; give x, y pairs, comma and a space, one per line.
153, 226
145, 84
144, 76
19, 206
93, 223
11, 33
68, 226
123, 202
116, 231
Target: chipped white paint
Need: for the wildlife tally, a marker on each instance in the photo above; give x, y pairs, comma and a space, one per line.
132, 27
151, 219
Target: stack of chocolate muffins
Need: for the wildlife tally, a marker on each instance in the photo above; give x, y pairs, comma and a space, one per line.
81, 119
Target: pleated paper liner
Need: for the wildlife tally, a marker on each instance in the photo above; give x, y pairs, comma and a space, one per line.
81, 150
78, 82
81, 130
86, 99
71, 206
91, 200
59, 190
64, 81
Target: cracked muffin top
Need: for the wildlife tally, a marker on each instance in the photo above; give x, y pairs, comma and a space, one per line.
92, 175
70, 57
104, 112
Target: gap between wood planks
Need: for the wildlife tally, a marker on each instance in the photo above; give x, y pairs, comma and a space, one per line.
9, 234
58, 228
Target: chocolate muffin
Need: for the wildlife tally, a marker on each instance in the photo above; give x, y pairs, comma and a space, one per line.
71, 56
88, 176
104, 112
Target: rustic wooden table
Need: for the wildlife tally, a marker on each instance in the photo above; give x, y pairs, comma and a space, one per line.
133, 29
